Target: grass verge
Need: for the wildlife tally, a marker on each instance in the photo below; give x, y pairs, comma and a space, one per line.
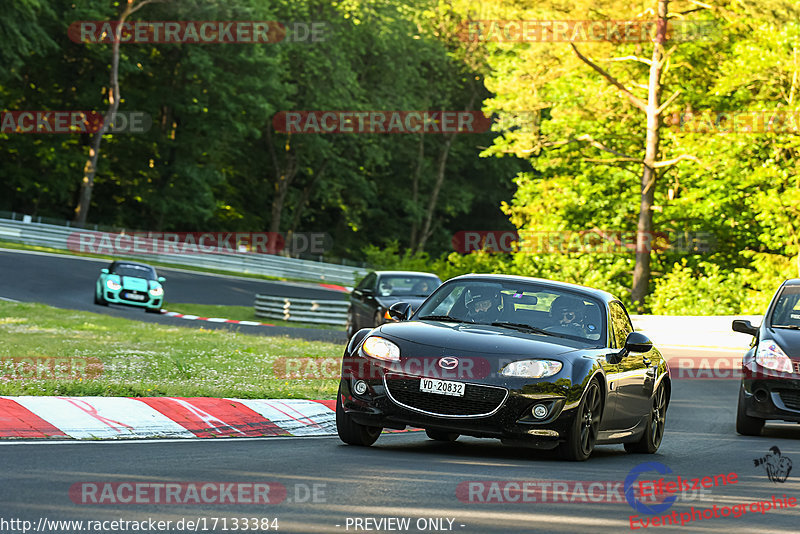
238, 313
144, 359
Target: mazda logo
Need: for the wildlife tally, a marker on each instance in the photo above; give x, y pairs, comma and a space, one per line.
448, 362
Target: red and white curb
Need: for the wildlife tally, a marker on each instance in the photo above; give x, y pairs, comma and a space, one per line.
212, 319
163, 417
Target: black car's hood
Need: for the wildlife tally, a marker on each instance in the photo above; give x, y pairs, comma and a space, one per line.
789, 340
480, 338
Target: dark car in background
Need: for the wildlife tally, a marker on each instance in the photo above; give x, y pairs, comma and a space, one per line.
531, 362
132, 284
375, 294
770, 387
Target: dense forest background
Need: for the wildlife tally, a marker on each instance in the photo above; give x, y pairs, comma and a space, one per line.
607, 135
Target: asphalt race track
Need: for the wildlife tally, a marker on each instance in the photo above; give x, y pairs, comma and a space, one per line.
409, 476
68, 282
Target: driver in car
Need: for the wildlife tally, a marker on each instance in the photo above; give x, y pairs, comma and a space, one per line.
483, 305
567, 313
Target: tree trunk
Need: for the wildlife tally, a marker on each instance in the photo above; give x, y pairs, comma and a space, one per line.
284, 176
90, 168
415, 191
441, 166
298, 211
641, 271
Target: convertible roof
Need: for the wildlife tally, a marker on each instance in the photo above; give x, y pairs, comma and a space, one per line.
596, 293
406, 273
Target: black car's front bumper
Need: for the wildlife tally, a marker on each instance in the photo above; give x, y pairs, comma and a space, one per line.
770, 397
487, 410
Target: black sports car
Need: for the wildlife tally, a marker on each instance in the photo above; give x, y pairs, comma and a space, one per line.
529, 361
376, 293
770, 387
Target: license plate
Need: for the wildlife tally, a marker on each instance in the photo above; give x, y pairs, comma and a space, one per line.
134, 296
442, 387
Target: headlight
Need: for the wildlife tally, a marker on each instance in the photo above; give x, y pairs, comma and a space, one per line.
157, 291
381, 348
532, 368
112, 285
770, 356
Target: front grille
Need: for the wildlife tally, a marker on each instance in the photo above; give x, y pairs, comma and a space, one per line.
125, 292
477, 400
790, 398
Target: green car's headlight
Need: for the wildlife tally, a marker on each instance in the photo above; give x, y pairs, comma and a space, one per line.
112, 285
157, 291
532, 368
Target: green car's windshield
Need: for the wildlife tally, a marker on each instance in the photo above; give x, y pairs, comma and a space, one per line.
133, 270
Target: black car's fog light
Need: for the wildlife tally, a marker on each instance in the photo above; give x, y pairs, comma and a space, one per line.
761, 395
540, 411
360, 387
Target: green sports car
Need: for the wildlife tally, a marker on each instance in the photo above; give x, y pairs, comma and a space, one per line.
132, 284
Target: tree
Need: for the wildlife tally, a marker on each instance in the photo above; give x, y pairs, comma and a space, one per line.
113, 96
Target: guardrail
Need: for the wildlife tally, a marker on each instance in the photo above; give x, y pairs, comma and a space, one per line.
333, 312
54, 236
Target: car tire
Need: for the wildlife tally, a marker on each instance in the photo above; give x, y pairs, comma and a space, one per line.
99, 300
351, 432
654, 432
441, 435
746, 425
350, 326
582, 436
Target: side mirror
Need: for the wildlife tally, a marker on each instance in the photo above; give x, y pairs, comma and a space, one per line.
161, 279
400, 311
367, 292
104, 271
745, 327
638, 342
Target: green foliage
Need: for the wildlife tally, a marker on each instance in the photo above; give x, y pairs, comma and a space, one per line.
706, 290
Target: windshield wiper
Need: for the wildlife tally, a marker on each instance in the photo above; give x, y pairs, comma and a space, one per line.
787, 326
527, 328
441, 318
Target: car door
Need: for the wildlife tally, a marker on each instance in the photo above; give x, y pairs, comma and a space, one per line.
632, 385
359, 300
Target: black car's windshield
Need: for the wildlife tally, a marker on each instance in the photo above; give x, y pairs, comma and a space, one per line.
407, 286
524, 306
786, 313
131, 269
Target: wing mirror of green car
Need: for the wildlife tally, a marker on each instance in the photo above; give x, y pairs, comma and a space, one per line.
161, 279
104, 271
